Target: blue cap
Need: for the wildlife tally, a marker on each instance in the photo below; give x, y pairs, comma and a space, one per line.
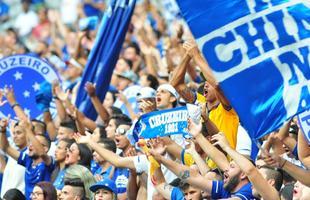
107, 184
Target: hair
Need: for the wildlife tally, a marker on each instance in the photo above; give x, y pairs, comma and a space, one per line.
102, 132
276, 175
82, 173
78, 186
116, 111
14, 194
135, 46
40, 122
48, 189
129, 62
121, 119
113, 92
153, 81
70, 125
287, 191
47, 140
108, 144
85, 155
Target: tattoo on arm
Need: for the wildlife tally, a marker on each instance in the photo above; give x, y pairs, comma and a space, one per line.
167, 187
184, 174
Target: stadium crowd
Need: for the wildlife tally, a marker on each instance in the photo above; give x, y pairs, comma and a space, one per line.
68, 156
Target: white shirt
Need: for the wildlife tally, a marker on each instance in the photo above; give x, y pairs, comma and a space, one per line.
13, 176
25, 22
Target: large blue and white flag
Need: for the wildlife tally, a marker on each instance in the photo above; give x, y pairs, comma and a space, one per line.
104, 54
162, 123
304, 123
30, 77
258, 50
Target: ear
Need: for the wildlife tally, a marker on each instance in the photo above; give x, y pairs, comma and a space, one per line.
243, 176
172, 99
271, 182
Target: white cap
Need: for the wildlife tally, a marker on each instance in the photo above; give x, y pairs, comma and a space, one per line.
146, 92
169, 88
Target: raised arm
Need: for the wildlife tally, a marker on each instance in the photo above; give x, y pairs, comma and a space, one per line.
100, 109
256, 178
178, 82
10, 96
4, 141
184, 172
111, 157
202, 166
50, 126
161, 185
216, 155
303, 149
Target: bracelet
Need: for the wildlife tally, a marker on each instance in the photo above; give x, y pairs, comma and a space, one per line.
14, 105
283, 164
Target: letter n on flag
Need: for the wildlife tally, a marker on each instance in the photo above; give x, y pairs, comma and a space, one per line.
258, 51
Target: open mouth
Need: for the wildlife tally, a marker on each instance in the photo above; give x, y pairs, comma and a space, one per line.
158, 99
226, 176
116, 141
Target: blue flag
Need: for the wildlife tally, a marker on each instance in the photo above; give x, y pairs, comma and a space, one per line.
30, 77
259, 52
162, 123
304, 123
105, 53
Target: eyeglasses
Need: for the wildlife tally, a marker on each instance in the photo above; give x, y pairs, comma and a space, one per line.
121, 131
36, 194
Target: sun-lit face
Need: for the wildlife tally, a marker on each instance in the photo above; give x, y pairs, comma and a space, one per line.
164, 99
103, 194
232, 176
192, 193
61, 151
209, 92
108, 100
19, 137
110, 129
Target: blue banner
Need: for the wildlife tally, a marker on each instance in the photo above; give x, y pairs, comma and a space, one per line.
258, 51
162, 123
304, 123
29, 76
104, 55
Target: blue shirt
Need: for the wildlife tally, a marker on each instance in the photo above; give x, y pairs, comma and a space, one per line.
94, 166
34, 173
218, 191
120, 177
177, 194
60, 180
105, 174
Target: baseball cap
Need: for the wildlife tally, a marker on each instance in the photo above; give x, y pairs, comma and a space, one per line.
104, 184
169, 88
146, 92
130, 75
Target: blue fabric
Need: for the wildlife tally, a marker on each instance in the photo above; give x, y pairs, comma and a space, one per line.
104, 55
33, 174
90, 10
94, 166
237, 39
177, 194
105, 174
60, 180
120, 177
295, 152
162, 123
218, 191
44, 96
4, 9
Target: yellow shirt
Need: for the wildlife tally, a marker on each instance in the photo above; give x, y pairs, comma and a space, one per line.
226, 121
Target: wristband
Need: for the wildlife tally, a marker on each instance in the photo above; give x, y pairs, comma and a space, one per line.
14, 105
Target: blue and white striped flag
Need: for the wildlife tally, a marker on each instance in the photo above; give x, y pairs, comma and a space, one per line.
258, 50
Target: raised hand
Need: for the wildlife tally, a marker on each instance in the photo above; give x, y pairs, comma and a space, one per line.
90, 89
220, 140
147, 106
63, 96
9, 94
191, 150
193, 128
25, 124
274, 160
191, 48
4, 124
82, 139
157, 146
122, 97
2, 102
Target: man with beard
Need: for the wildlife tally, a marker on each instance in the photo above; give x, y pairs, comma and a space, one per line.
38, 146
